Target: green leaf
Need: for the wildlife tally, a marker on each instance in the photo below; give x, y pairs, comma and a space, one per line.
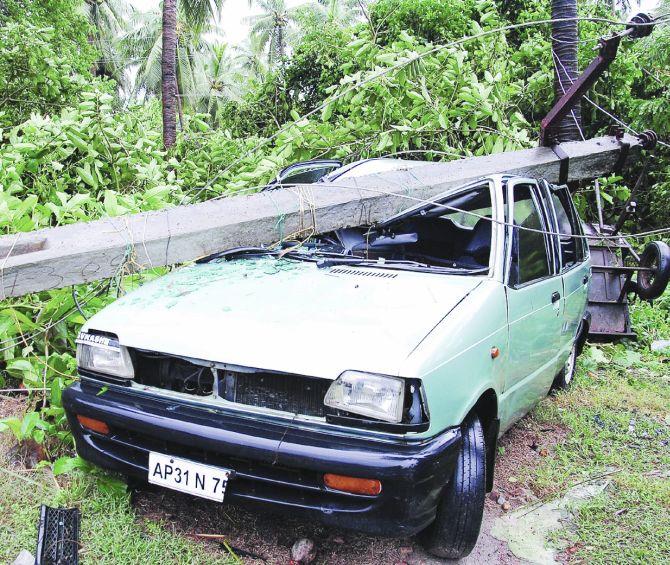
29, 422
66, 464
597, 355
13, 425
85, 174
327, 112
56, 390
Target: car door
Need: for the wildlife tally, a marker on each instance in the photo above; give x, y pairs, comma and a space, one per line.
575, 265
534, 300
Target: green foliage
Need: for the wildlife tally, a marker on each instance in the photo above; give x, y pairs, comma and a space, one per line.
616, 416
316, 65
435, 21
45, 58
111, 531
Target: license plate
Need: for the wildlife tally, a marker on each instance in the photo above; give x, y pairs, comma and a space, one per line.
188, 476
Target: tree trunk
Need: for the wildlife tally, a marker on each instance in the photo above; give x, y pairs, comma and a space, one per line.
169, 72
564, 44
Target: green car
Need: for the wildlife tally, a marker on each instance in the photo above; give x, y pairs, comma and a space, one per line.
361, 377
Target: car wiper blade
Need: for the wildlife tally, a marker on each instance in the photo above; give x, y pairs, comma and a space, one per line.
396, 263
331, 262
229, 254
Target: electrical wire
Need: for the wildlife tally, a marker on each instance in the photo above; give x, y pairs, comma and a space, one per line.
408, 61
556, 59
429, 202
612, 116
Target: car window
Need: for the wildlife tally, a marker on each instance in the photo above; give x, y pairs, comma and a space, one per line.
572, 250
468, 219
303, 173
530, 257
474, 206
306, 175
454, 233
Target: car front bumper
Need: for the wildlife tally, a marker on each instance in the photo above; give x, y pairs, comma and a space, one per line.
277, 465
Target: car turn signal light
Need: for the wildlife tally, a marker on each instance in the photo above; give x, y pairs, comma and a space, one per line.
371, 487
93, 425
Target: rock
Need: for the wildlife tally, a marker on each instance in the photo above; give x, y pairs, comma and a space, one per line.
506, 506
493, 495
24, 558
303, 551
660, 344
501, 500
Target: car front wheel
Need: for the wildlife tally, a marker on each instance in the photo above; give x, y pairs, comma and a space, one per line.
455, 530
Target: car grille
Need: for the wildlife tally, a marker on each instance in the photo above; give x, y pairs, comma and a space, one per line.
263, 389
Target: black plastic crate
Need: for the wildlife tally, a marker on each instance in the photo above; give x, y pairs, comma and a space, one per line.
58, 536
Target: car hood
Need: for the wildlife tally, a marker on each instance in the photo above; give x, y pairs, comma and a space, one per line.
286, 315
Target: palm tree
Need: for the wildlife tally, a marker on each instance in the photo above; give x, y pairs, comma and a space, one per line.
206, 74
197, 13
218, 78
169, 72
250, 57
276, 26
169, 48
108, 18
143, 43
340, 12
564, 46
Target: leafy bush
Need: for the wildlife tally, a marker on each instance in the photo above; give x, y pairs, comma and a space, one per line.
45, 58
436, 21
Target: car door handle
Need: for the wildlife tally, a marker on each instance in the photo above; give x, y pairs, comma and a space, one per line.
585, 279
555, 297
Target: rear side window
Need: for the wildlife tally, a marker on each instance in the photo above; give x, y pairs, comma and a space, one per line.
572, 246
530, 252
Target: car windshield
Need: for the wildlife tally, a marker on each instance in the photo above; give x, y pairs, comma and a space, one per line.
452, 235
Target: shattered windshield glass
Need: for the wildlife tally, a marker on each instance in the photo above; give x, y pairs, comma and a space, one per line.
452, 235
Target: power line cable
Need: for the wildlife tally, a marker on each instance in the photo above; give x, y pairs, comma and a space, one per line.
406, 62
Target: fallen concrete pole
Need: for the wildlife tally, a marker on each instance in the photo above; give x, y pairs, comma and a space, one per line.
84, 252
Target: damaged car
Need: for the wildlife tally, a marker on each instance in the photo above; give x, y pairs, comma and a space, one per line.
361, 377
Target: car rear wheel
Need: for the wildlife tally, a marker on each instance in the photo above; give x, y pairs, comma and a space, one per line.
455, 530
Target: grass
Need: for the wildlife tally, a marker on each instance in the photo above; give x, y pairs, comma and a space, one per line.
110, 532
618, 416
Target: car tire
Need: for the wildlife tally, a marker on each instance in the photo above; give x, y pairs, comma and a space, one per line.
564, 378
651, 284
455, 530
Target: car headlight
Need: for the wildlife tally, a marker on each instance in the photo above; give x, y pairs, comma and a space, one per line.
376, 396
104, 355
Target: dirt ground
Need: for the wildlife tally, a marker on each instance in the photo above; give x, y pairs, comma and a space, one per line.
267, 538
260, 538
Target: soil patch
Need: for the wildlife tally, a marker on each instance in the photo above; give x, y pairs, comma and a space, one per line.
520, 450
259, 537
